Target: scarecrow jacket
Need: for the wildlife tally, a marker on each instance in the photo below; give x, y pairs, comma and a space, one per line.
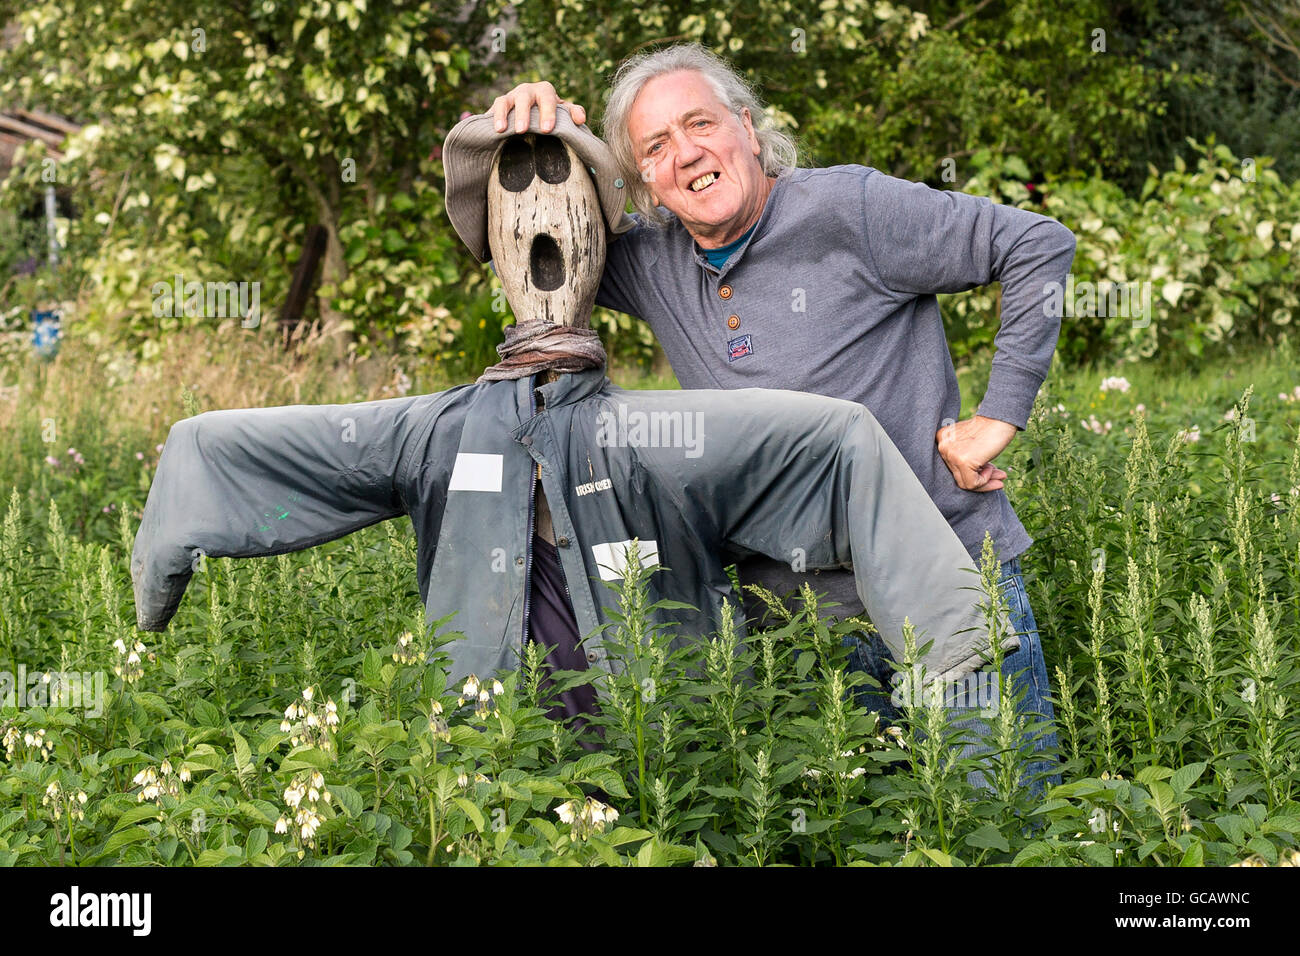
700, 478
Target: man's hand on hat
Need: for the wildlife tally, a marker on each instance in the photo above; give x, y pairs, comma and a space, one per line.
969, 447
522, 99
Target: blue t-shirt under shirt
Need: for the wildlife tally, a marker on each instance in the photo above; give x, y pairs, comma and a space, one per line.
720, 255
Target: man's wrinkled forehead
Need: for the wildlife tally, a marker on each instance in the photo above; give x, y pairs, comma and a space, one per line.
693, 96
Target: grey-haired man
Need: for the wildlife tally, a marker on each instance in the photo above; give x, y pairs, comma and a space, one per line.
752, 271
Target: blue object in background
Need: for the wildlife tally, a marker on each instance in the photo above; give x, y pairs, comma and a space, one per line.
47, 334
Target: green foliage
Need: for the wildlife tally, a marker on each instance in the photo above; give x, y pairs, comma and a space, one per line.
188, 165
1212, 253
1161, 577
881, 83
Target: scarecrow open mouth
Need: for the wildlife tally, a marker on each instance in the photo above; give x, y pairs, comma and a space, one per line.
546, 263
704, 182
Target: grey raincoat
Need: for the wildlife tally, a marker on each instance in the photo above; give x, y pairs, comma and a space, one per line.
700, 477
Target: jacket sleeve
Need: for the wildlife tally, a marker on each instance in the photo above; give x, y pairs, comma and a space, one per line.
265, 481
816, 482
926, 241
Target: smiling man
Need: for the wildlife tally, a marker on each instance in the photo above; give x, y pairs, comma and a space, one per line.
752, 271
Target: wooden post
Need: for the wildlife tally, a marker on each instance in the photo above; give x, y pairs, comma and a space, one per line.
304, 277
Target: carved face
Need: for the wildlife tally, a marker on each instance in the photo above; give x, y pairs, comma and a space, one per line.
546, 230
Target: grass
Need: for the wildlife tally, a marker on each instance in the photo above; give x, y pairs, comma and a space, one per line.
290, 715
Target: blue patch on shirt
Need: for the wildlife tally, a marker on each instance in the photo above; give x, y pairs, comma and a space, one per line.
739, 347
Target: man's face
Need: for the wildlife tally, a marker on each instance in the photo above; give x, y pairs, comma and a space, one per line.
683, 137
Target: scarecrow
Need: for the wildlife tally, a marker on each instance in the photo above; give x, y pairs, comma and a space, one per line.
527, 488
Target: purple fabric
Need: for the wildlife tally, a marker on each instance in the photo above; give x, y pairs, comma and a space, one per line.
551, 623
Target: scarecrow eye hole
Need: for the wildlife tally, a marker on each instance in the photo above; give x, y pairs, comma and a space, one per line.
552, 160
546, 264
515, 170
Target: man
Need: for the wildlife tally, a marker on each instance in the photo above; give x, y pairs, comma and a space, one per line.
752, 271
526, 488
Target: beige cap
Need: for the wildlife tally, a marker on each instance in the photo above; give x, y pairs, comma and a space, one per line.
467, 156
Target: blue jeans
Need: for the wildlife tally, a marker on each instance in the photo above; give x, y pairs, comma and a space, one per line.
1023, 670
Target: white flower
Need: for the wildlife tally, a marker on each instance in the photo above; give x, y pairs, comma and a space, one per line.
471, 687
1116, 383
565, 812
306, 693
497, 688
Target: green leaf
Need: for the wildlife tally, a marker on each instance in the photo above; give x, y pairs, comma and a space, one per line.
1184, 777
257, 839
989, 837
1098, 854
473, 812
146, 811
125, 838
348, 798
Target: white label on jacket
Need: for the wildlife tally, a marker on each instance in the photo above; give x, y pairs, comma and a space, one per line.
476, 473
611, 557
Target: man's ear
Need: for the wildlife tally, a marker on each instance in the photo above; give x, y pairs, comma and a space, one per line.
749, 128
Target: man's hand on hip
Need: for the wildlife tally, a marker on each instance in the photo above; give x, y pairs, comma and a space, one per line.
969, 447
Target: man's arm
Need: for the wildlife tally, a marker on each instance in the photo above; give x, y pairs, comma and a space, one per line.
926, 241
264, 481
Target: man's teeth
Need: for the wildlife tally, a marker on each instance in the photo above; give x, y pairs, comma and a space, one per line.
706, 180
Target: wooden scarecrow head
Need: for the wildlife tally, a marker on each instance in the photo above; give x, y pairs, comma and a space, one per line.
546, 230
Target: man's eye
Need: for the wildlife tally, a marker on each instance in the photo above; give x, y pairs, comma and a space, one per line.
654, 149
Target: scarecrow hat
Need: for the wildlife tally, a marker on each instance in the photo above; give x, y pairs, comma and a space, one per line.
467, 156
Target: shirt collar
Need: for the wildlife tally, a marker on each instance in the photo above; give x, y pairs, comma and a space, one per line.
773, 198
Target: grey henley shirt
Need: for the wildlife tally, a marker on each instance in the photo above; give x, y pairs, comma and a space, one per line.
834, 293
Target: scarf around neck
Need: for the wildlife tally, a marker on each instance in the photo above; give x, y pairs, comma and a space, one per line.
540, 346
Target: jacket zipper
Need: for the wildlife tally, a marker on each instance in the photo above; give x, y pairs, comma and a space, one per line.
528, 544
528, 559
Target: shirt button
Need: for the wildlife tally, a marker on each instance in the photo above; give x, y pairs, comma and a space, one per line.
563, 542
519, 561
591, 657
733, 322
724, 292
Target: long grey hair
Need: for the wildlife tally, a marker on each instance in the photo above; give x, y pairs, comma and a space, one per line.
777, 151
